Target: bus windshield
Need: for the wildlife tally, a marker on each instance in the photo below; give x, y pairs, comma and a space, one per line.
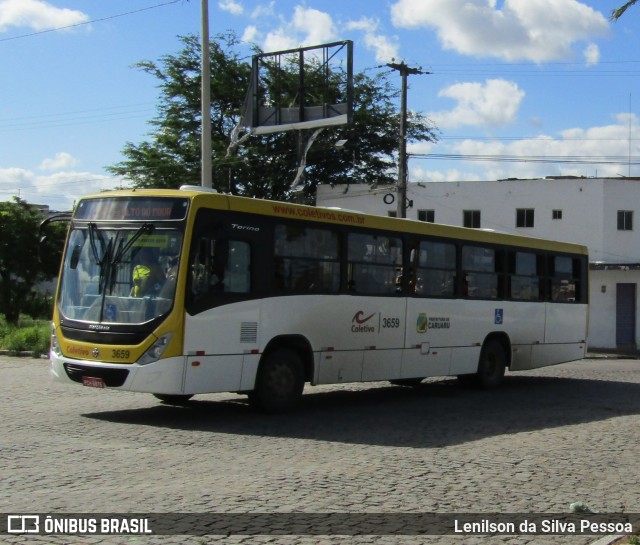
119, 275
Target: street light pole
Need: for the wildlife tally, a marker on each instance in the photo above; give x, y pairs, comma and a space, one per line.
205, 100
405, 71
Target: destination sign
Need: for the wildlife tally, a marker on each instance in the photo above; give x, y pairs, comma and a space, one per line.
132, 209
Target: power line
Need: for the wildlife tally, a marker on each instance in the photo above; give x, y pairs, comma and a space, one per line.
89, 22
545, 159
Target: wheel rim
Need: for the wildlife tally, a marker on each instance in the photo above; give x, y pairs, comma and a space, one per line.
280, 380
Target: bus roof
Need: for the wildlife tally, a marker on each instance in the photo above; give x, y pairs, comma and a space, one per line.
207, 198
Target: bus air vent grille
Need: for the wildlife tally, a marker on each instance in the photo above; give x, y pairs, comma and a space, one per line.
112, 377
249, 332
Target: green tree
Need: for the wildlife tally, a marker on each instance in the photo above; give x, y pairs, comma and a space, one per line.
263, 166
617, 13
20, 268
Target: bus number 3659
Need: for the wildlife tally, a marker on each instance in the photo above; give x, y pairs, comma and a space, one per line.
390, 322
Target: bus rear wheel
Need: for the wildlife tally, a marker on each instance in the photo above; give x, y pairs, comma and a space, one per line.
491, 367
279, 383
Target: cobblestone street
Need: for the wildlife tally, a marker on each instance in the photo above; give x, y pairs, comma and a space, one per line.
544, 440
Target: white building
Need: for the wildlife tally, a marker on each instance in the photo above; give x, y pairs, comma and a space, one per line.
597, 212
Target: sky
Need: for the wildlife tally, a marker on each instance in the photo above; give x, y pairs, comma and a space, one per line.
516, 88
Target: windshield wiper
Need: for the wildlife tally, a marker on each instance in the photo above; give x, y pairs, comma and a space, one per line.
111, 257
101, 261
146, 229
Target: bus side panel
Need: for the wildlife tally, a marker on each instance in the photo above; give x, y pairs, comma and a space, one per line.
216, 342
358, 338
227, 329
340, 366
552, 354
525, 323
381, 364
565, 323
425, 361
213, 374
427, 354
565, 335
464, 360
462, 326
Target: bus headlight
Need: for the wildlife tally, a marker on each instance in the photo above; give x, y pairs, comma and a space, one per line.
55, 344
155, 351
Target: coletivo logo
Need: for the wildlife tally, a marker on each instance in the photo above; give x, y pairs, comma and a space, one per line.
77, 351
360, 323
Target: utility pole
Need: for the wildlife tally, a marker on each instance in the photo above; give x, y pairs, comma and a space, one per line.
405, 71
205, 101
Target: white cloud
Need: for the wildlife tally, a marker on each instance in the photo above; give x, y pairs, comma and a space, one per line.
250, 34
60, 161
592, 54
231, 6
263, 11
59, 190
576, 151
384, 48
492, 104
37, 15
536, 30
308, 26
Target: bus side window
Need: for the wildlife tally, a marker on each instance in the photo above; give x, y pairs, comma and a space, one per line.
375, 264
436, 269
481, 272
306, 259
524, 280
565, 274
220, 265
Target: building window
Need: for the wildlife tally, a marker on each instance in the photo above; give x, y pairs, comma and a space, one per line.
392, 213
524, 217
556, 214
427, 215
471, 218
625, 220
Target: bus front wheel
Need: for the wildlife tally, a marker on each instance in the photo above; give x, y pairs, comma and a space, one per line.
279, 382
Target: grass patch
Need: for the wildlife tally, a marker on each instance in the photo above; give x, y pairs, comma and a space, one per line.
28, 336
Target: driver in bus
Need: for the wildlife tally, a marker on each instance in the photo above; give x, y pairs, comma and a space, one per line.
148, 276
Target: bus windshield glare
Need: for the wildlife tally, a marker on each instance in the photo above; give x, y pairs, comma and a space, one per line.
119, 275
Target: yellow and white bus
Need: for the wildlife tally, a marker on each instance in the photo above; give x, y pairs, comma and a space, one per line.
183, 292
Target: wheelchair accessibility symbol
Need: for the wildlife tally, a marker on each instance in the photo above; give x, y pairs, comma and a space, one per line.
499, 316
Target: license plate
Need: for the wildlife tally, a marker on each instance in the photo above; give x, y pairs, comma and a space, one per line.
93, 382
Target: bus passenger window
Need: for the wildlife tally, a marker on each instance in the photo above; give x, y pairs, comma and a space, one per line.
565, 279
306, 259
375, 264
524, 281
480, 269
436, 269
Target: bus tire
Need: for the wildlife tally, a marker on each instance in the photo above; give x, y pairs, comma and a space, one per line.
279, 383
492, 365
173, 399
